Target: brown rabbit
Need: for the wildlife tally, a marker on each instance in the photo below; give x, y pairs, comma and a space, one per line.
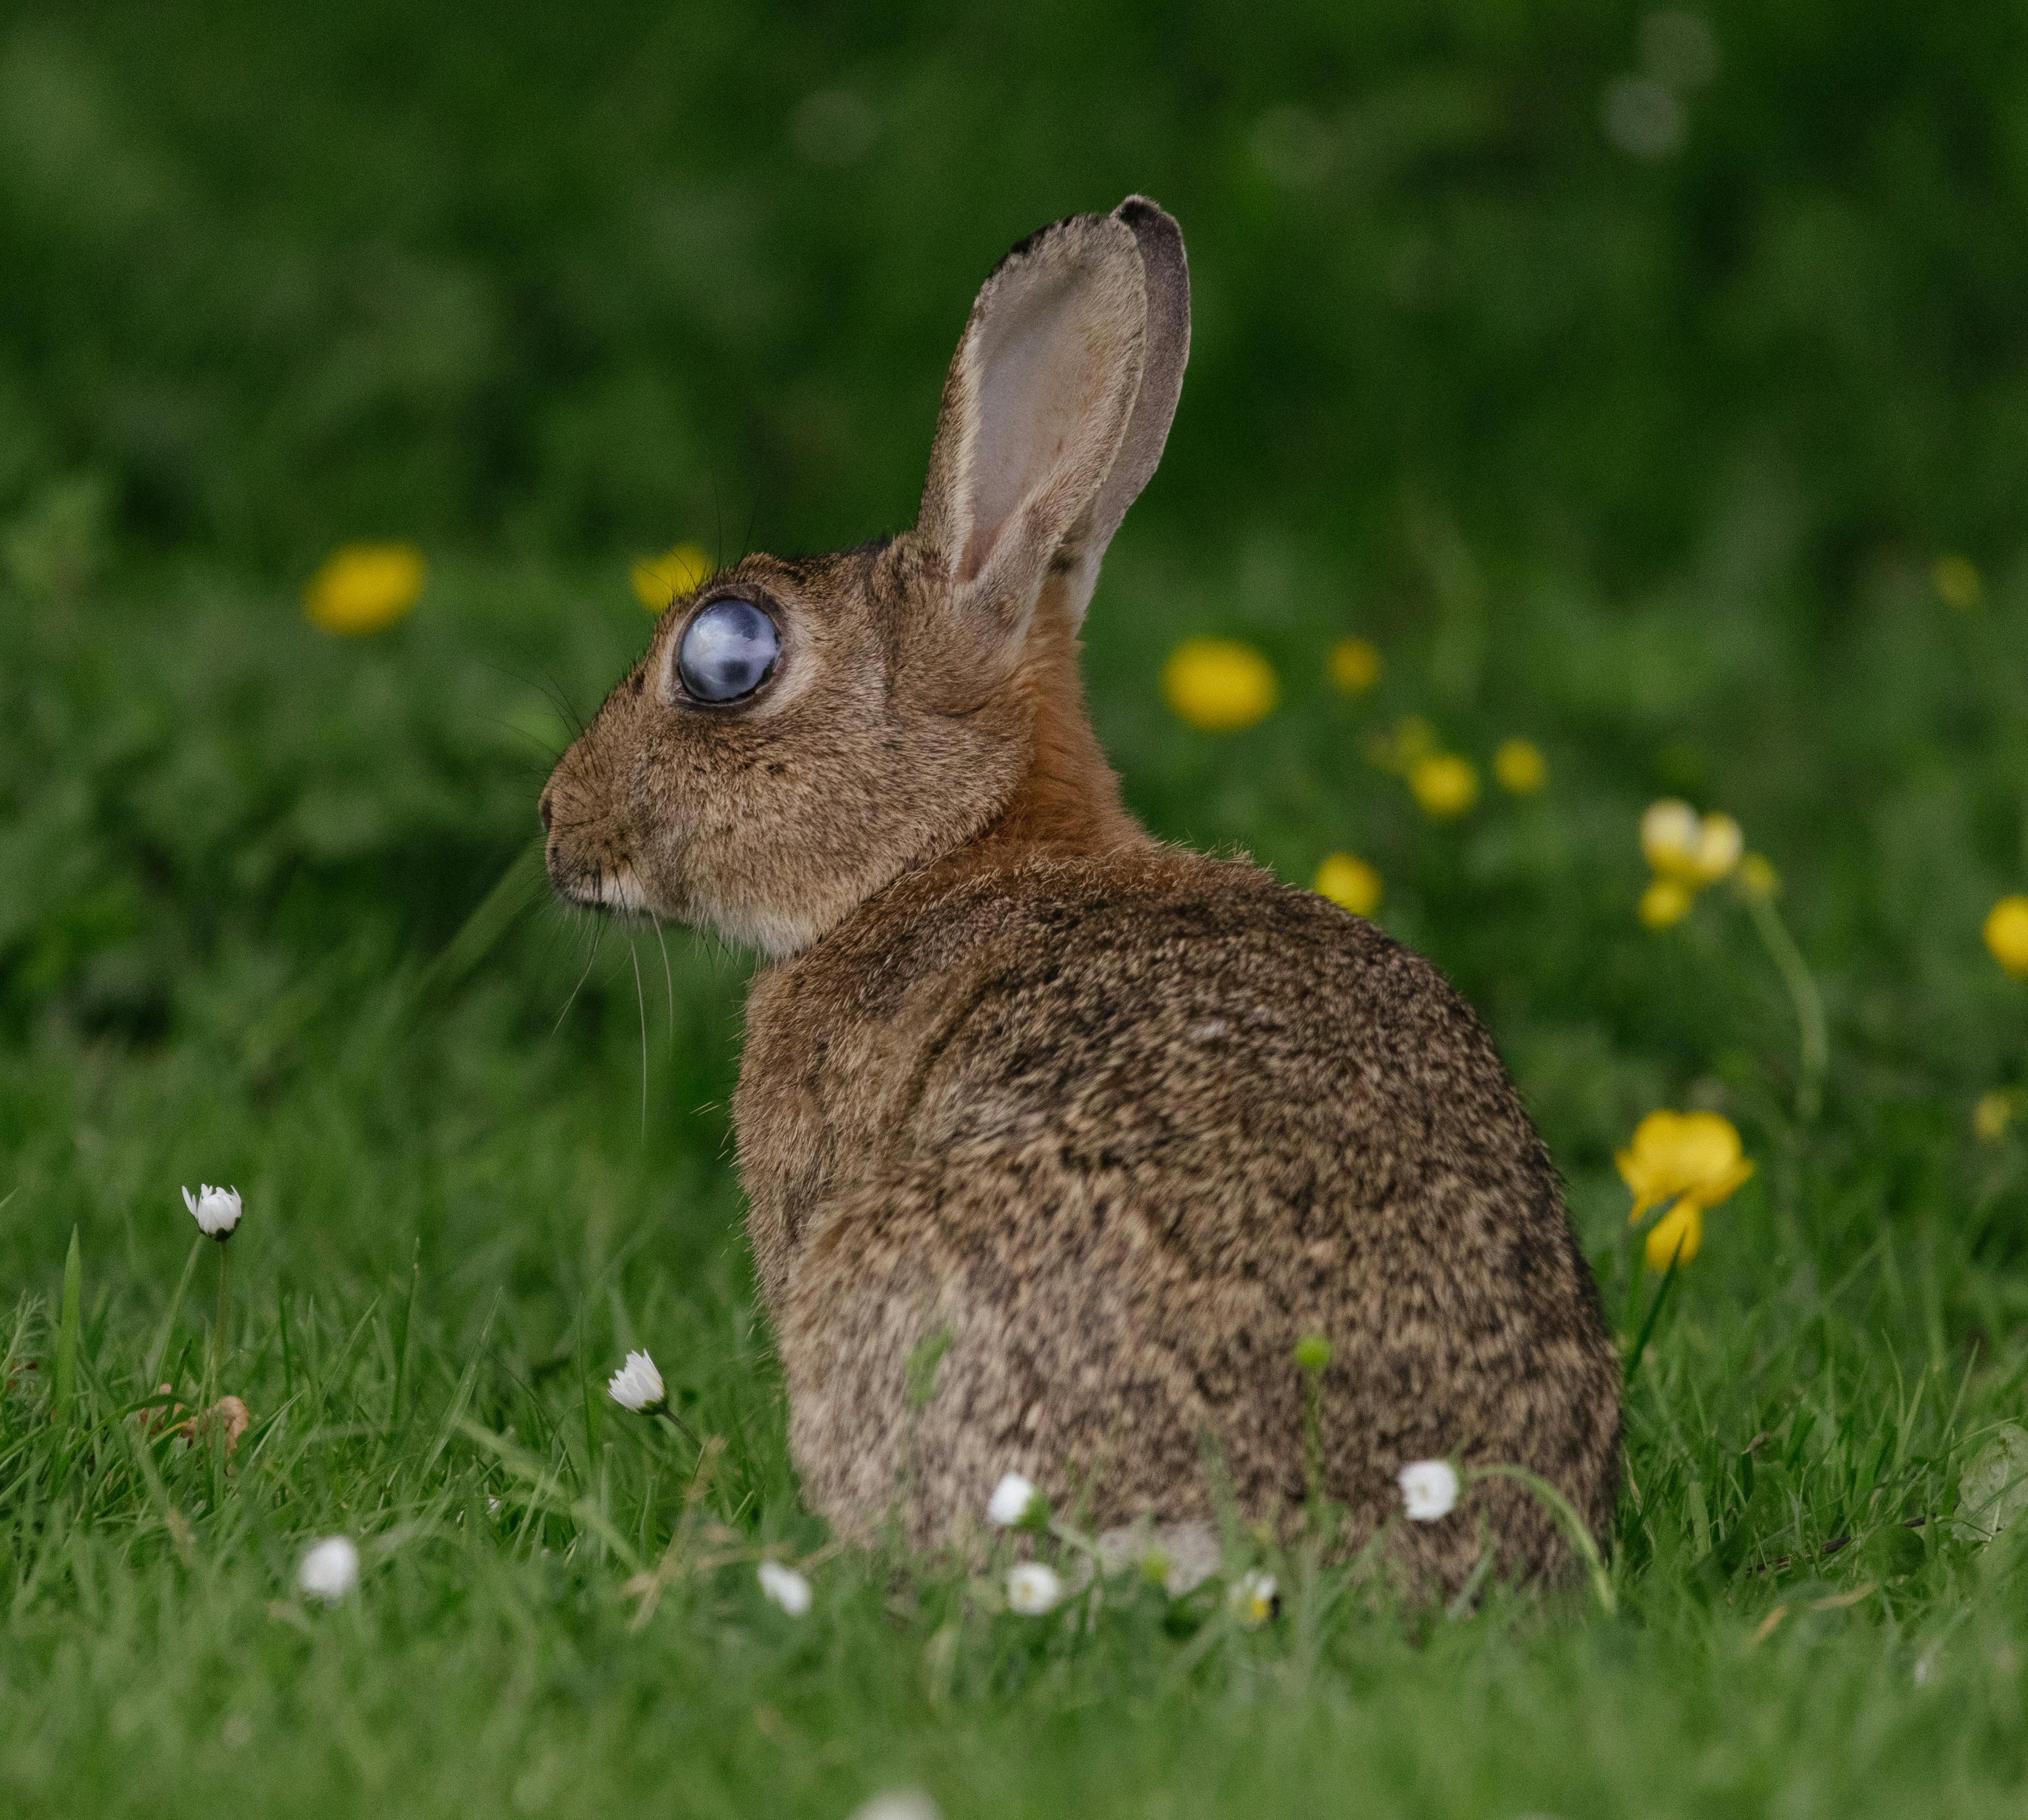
1111, 1124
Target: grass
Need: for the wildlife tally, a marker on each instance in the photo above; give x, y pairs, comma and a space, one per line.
267, 916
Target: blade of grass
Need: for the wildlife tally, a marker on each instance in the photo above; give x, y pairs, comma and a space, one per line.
1654, 1314
159, 1349
532, 1473
64, 1389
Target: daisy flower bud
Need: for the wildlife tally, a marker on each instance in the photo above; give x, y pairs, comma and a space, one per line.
787, 1587
215, 1210
1254, 1599
1429, 1489
1313, 1352
1012, 1503
330, 1570
637, 1385
1033, 1588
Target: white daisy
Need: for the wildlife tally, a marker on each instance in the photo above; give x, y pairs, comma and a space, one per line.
215, 1210
1429, 1489
1033, 1588
637, 1385
1012, 1502
330, 1570
787, 1587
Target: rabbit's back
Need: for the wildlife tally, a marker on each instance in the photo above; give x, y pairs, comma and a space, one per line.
1108, 1135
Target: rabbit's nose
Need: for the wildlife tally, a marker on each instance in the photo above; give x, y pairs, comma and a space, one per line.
548, 810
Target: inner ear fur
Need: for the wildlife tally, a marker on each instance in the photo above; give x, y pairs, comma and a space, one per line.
1036, 410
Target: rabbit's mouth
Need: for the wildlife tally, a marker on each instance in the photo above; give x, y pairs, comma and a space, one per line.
599, 886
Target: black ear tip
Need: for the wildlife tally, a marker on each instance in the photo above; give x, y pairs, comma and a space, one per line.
1142, 212
1155, 230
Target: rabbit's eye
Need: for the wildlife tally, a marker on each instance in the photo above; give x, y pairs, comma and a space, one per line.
728, 651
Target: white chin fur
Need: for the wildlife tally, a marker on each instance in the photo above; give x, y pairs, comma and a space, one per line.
777, 936
620, 891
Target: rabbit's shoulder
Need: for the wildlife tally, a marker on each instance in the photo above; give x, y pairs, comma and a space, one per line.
1155, 1003
1145, 1000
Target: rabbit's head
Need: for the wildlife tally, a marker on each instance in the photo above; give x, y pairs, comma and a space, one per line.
801, 733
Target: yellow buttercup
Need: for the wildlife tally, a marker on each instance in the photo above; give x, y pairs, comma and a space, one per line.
1687, 1162
1219, 685
365, 587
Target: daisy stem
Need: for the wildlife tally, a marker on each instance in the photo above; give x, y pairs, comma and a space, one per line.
1565, 1514
218, 1330
1795, 971
1313, 1444
675, 1422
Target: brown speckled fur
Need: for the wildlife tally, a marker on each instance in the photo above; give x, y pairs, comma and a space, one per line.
1120, 1123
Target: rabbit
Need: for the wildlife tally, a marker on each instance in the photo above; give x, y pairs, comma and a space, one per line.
1056, 1138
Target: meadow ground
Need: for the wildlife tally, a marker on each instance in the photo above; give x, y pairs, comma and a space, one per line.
268, 912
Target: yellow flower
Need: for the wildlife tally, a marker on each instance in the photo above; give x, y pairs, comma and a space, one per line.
1691, 1157
1958, 580
660, 579
1683, 1226
1219, 685
1758, 877
1254, 1600
365, 587
1354, 665
2007, 934
1445, 784
1669, 833
1666, 902
1994, 1112
1520, 766
1720, 846
1349, 882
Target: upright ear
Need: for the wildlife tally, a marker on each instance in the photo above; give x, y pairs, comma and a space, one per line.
1043, 438
1166, 279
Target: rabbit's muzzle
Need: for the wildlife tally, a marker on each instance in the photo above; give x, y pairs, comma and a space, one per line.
589, 860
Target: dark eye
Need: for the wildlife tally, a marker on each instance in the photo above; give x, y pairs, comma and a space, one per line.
728, 651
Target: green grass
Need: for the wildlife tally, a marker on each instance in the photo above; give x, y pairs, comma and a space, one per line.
1654, 477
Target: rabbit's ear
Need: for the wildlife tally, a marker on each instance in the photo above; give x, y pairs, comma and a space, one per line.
1166, 277
1039, 405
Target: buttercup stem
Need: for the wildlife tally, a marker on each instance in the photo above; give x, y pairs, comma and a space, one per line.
1795, 971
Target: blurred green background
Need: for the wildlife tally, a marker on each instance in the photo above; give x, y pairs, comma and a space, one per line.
1596, 278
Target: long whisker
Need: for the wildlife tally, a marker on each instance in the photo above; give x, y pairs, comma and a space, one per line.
598, 936
641, 1005
669, 980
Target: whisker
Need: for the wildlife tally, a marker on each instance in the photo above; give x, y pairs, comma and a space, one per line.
641, 1005
669, 980
599, 935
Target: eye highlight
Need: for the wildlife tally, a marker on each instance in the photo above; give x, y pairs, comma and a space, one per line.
729, 650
